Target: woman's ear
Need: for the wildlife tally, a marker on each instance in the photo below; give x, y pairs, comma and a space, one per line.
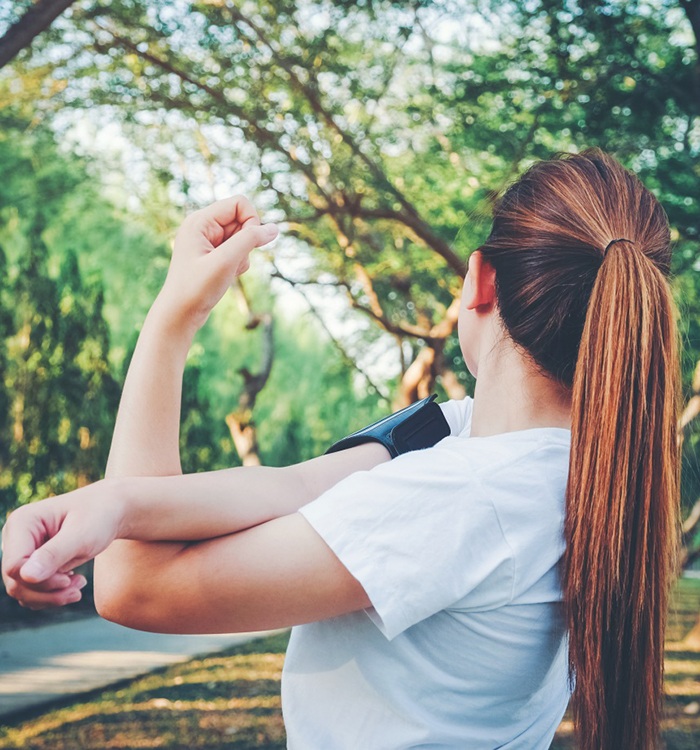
479, 284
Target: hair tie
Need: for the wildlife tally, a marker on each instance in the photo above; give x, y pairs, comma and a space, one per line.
612, 242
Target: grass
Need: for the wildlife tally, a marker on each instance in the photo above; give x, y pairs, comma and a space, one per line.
231, 701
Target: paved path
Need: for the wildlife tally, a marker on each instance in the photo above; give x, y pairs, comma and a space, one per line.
41, 665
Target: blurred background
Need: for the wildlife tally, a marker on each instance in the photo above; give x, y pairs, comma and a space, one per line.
378, 135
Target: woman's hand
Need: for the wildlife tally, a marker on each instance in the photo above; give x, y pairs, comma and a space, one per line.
211, 249
43, 542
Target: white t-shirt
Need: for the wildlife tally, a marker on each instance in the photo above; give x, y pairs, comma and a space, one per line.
457, 547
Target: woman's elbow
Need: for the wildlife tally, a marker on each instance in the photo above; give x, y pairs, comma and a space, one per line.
128, 607
112, 596
110, 609
118, 595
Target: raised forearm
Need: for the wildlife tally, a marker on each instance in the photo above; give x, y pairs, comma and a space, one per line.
146, 434
145, 441
211, 248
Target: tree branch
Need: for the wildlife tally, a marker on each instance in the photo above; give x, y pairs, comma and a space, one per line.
419, 228
412, 217
692, 11
690, 412
298, 286
21, 34
255, 382
692, 520
262, 135
409, 216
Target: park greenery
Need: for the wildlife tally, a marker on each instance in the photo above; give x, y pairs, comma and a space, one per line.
377, 133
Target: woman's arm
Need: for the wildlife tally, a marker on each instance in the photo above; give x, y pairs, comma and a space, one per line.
210, 249
277, 574
159, 585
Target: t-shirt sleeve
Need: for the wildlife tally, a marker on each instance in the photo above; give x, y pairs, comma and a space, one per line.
458, 413
420, 535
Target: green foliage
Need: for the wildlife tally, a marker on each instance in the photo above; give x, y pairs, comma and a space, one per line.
310, 400
323, 406
58, 395
59, 323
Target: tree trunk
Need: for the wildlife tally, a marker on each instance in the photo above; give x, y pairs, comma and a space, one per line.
419, 379
245, 437
240, 422
692, 408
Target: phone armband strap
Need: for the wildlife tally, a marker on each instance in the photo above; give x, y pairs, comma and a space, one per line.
418, 426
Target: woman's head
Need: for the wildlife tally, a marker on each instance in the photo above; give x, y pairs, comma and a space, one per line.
580, 255
550, 232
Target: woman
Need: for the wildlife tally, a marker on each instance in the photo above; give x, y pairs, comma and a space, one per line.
431, 584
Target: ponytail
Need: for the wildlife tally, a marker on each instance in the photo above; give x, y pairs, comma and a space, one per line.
596, 315
622, 502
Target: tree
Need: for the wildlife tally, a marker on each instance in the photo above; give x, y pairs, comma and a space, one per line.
58, 389
58, 395
378, 130
354, 229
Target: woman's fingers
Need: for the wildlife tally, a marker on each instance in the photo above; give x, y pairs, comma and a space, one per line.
211, 248
235, 208
21, 535
234, 226
57, 582
230, 214
32, 598
55, 555
57, 590
233, 253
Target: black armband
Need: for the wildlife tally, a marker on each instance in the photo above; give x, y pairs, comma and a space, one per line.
418, 426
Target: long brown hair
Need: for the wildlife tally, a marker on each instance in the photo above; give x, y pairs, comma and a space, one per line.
581, 251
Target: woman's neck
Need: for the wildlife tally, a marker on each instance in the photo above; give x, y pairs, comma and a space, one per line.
511, 394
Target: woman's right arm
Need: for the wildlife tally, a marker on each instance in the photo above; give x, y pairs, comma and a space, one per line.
210, 250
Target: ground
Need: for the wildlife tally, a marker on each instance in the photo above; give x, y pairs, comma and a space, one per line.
231, 701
